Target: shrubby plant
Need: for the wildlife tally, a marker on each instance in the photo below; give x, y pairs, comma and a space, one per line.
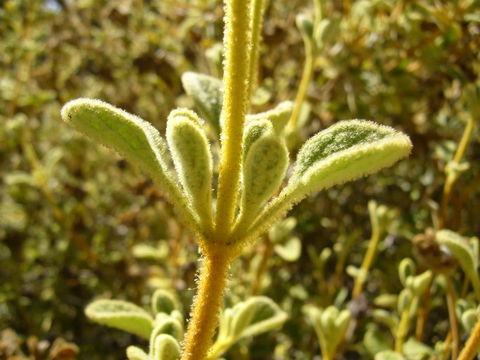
249, 197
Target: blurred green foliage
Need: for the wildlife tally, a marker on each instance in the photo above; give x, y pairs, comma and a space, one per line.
78, 223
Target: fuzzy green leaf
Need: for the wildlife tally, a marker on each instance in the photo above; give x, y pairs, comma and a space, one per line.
278, 116
344, 152
207, 92
464, 253
263, 172
165, 348
193, 161
121, 315
263, 315
388, 355
131, 137
290, 250
135, 353
341, 153
125, 133
164, 301
254, 130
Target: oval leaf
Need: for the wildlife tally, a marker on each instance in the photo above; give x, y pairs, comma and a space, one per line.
164, 301
278, 116
165, 348
133, 138
464, 253
344, 152
263, 172
135, 353
207, 93
191, 155
121, 315
265, 315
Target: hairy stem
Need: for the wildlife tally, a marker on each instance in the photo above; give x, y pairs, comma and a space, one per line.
207, 304
257, 11
472, 347
237, 54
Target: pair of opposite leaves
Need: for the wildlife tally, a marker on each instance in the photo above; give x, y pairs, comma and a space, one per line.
343, 152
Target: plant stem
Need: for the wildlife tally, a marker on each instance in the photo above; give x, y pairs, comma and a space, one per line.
452, 317
472, 347
304, 82
403, 328
262, 267
423, 312
207, 303
368, 259
452, 176
257, 11
237, 54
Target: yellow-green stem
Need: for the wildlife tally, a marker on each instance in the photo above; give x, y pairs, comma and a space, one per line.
403, 328
368, 259
452, 176
237, 54
452, 317
207, 303
303, 87
472, 347
257, 11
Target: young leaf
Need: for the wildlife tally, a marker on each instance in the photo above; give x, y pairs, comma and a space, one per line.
131, 137
207, 93
266, 316
121, 315
263, 172
165, 348
135, 353
290, 250
254, 130
191, 155
464, 253
344, 152
278, 116
165, 324
389, 355
163, 301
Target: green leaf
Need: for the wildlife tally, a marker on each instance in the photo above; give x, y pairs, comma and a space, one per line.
344, 152
341, 153
254, 130
290, 250
133, 138
415, 350
135, 353
165, 348
207, 92
165, 325
376, 341
389, 355
264, 315
163, 301
193, 161
464, 253
263, 172
125, 133
278, 116
121, 315
282, 230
